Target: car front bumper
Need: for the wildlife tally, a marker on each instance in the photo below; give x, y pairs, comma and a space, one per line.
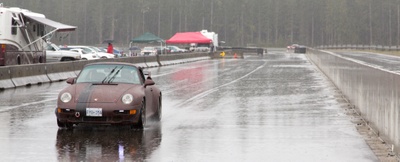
108, 116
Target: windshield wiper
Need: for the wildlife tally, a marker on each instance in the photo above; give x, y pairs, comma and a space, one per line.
115, 74
109, 74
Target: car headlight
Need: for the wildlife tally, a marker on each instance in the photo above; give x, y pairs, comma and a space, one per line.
66, 97
127, 99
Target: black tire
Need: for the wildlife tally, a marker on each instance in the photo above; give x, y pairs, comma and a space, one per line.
69, 126
60, 124
158, 115
64, 125
142, 118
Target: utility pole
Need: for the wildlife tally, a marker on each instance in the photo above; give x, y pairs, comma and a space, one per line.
159, 17
212, 15
370, 24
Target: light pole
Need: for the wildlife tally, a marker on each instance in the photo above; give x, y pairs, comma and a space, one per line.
144, 10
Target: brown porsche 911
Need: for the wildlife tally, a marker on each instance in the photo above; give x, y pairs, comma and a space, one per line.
109, 93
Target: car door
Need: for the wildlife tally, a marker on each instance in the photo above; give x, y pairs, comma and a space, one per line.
52, 55
80, 51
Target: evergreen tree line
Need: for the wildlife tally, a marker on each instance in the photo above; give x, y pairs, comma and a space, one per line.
238, 22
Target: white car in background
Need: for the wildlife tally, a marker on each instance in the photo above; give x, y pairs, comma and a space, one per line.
94, 50
85, 55
102, 53
55, 54
175, 49
148, 51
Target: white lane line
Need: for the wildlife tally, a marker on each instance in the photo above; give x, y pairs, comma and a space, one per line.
205, 93
7, 108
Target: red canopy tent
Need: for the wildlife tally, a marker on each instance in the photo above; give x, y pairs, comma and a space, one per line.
188, 37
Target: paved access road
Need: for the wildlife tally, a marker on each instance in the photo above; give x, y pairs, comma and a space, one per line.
278, 107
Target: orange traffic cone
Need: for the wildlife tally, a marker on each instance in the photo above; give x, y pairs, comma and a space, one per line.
235, 55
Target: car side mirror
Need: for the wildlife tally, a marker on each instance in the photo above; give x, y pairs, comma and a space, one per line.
148, 74
148, 82
71, 80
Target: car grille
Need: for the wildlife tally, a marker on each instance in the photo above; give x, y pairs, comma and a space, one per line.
90, 119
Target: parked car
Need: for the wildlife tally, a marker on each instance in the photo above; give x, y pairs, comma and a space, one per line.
112, 93
55, 54
134, 51
109, 55
199, 47
162, 50
175, 49
94, 50
148, 51
117, 53
84, 54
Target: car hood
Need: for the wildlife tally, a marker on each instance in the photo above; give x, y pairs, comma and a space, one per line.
103, 93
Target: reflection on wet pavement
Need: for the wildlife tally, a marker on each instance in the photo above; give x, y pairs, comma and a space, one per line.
105, 143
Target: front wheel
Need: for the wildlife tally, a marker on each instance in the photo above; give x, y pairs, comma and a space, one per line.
142, 118
159, 110
64, 125
60, 124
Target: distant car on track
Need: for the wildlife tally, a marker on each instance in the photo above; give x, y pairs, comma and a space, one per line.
109, 93
292, 47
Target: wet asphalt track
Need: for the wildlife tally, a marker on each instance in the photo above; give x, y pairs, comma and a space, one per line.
273, 108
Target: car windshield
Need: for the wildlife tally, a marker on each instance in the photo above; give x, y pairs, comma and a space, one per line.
88, 50
172, 47
50, 48
102, 49
148, 48
109, 74
96, 49
84, 52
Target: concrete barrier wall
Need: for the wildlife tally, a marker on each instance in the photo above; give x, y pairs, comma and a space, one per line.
229, 54
60, 71
171, 59
22, 75
5, 78
374, 92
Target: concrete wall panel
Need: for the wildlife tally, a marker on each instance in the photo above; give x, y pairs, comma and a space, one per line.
23, 75
373, 91
60, 71
171, 59
5, 78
